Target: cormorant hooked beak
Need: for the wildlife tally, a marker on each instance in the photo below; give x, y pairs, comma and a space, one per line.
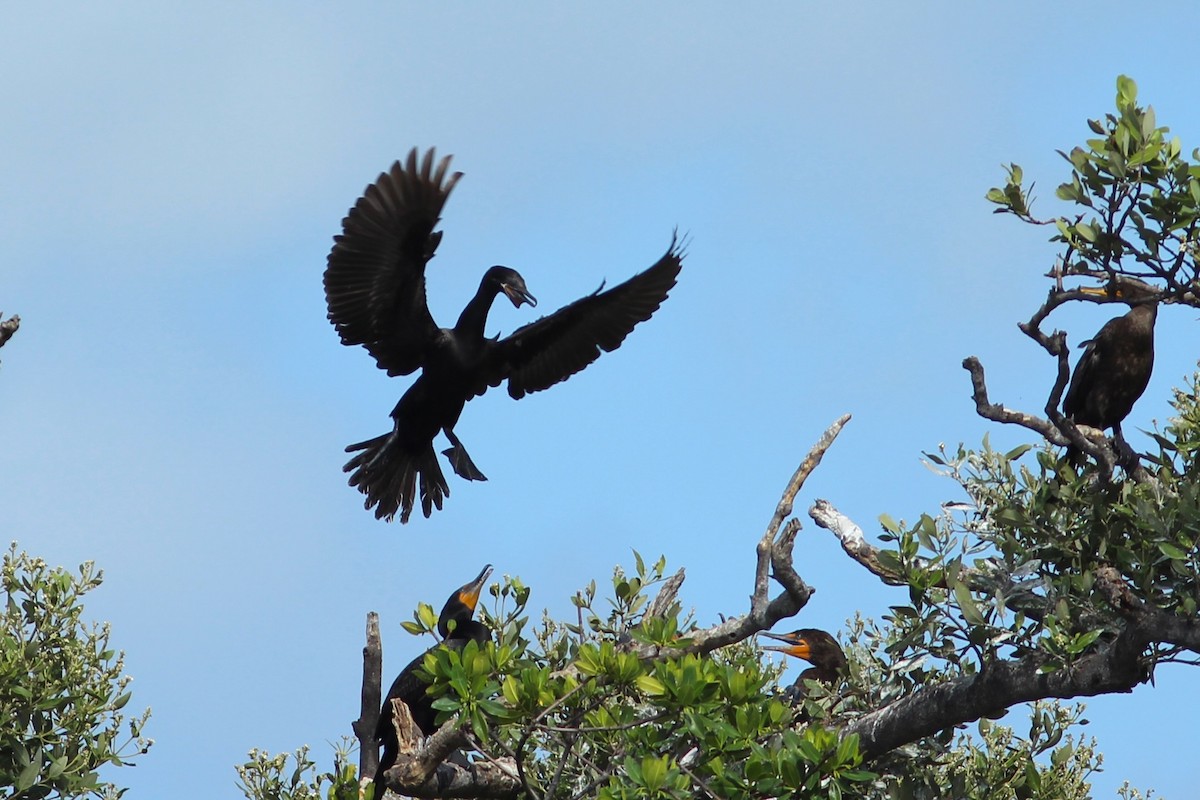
469, 594
1126, 290
798, 646
518, 294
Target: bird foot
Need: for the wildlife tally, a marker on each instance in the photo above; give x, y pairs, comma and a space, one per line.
463, 466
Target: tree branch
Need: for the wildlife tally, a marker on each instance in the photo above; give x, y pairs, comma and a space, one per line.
1018, 597
8, 327
368, 719
1161, 626
998, 413
428, 771
852, 540
774, 560
665, 598
1114, 666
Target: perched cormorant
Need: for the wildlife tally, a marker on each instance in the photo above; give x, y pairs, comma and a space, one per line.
375, 290
459, 610
1116, 363
816, 647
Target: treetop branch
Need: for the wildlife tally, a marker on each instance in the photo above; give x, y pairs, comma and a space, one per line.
8, 327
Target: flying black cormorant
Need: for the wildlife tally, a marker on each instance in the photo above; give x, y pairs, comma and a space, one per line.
1116, 363
408, 686
375, 290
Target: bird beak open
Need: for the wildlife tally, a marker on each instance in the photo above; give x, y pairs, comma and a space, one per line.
796, 647
518, 295
469, 594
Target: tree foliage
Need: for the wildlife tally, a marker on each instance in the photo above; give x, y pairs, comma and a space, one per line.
1047, 579
62, 688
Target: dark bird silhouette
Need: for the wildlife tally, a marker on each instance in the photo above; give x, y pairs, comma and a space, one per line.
375, 290
1116, 363
456, 627
816, 647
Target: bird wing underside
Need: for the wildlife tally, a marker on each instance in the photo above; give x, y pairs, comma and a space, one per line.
375, 278
552, 349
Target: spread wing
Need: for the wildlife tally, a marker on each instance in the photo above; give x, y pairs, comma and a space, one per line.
554, 348
375, 278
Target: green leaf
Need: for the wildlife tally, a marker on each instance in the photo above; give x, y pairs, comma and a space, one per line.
426, 616
654, 772
651, 685
446, 703
1017, 452
28, 775
966, 604
1172, 552
1126, 91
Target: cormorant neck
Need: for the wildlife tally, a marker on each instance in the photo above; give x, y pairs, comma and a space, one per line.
473, 318
1147, 312
469, 630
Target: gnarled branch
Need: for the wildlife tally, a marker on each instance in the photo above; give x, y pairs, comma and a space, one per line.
1114, 666
8, 327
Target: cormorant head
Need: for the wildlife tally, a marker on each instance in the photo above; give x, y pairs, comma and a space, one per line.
814, 646
512, 284
461, 605
1126, 290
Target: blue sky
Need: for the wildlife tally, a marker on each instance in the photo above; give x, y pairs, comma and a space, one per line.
175, 404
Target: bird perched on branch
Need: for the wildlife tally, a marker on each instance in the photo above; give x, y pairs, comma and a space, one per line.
456, 627
1116, 363
375, 290
817, 648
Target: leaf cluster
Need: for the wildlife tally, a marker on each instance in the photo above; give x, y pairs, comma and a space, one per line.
584, 712
294, 776
1137, 199
62, 687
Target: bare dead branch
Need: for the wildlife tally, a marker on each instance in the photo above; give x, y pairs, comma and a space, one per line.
481, 779
784, 509
767, 545
998, 413
774, 560
368, 719
1057, 430
408, 735
8, 327
665, 598
852, 540
427, 771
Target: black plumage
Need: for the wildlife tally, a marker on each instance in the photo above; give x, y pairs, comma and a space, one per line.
375, 290
456, 627
816, 647
1115, 367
